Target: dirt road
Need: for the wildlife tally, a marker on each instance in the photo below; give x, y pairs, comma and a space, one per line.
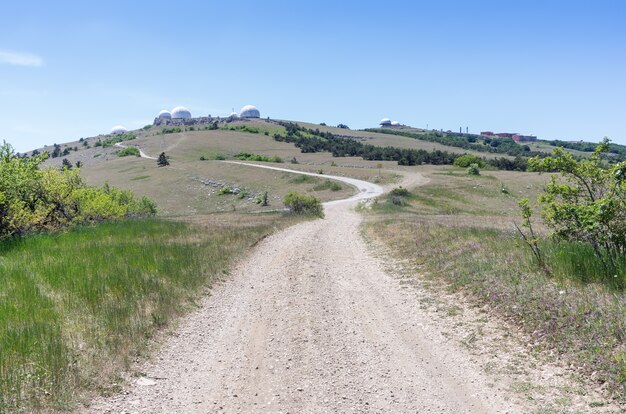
311, 323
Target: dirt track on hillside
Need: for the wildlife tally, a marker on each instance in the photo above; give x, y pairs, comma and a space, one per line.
311, 322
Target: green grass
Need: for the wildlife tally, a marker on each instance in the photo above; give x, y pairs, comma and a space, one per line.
578, 261
76, 307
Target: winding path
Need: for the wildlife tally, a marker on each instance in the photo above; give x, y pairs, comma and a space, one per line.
311, 322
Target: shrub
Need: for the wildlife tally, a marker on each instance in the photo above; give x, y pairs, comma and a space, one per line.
247, 156
225, 190
398, 200
34, 199
588, 204
129, 151
303, 204
466, 160
172, 130
473, 169
328, 185
400, 192
263, 199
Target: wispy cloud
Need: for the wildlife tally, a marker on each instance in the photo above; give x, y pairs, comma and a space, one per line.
20, 59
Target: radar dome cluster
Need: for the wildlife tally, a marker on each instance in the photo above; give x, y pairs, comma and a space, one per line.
386, 122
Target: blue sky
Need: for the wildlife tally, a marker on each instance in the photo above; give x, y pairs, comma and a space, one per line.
556, 69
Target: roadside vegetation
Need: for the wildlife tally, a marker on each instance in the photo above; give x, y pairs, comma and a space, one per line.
303, 204
585, 207
458, 229
128, 152
34, 199
78, 307
247, 156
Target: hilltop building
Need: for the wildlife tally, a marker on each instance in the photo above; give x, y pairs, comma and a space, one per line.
395, 123
385, 122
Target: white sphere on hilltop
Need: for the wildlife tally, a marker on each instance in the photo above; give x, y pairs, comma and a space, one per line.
118, 129
180, 112
165, 114
249, 111
385, 121
233, 115
395, 123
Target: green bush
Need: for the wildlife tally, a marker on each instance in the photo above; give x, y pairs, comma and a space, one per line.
465, 161
35, 199
262, 199
328, 185
247, 156
303, 204
172, 130
473, 169
400, 191
225, 190
129, 151
585, 205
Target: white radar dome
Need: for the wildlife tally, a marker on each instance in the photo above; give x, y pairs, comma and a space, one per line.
250, 111
165, 114
118, 129
181, 112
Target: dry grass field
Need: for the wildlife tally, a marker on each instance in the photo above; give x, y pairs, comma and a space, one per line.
456, 233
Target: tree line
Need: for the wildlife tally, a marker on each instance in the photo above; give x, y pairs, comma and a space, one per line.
314, 140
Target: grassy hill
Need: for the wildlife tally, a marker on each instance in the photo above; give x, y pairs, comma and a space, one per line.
457, 226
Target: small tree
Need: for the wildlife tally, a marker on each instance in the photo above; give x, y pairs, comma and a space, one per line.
163, 160
587, 203
67, 165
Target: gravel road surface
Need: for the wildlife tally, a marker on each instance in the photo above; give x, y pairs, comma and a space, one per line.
311, 322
